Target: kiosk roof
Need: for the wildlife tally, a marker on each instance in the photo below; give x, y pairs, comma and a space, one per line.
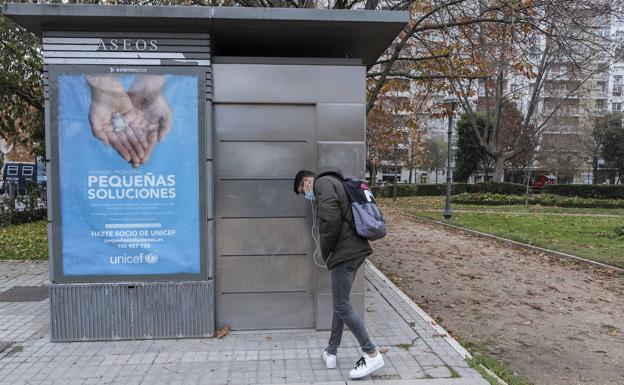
235, 31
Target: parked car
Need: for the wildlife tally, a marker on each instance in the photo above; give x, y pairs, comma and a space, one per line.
539, 181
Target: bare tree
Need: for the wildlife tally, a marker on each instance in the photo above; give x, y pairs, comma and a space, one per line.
525, 50
562, 156
392, 126
593, 143
434, 155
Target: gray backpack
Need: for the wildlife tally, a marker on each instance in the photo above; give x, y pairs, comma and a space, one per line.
368, 220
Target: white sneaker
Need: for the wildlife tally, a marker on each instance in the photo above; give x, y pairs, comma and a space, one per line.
330, 359
366, 365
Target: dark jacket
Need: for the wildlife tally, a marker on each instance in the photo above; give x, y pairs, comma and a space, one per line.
339, 241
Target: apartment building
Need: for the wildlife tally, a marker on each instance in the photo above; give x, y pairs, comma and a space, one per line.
580, 86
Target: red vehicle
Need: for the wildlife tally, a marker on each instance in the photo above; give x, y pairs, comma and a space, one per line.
539, 181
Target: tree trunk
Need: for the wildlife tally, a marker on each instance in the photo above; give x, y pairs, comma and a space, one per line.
410, 162
436, 171
13, 191
373, 175
595, 171
396, 165
499, 169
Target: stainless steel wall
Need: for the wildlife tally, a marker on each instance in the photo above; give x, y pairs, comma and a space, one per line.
269, 122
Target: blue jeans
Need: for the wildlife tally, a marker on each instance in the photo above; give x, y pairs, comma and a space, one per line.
342, 276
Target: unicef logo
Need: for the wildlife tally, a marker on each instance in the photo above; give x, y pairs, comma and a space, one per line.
133, 259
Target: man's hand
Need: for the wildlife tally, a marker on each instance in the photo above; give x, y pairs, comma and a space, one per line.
308, 184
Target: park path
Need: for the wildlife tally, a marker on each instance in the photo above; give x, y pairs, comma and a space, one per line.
556, 322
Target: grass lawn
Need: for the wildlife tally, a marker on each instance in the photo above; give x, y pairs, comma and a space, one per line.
502, 370
586, 236
27, 241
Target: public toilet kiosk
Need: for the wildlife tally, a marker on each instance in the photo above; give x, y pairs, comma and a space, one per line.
173, 135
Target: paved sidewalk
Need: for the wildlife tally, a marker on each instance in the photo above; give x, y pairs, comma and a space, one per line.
419, 352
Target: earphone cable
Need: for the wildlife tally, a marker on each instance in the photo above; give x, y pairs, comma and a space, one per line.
315, 237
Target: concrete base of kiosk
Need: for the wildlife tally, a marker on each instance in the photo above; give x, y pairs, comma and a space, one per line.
133, 310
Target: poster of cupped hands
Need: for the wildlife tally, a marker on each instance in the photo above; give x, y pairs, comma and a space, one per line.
128, 173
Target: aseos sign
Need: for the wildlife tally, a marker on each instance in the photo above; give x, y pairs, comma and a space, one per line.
128, 45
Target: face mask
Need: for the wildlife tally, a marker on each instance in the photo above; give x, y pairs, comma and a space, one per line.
309, 195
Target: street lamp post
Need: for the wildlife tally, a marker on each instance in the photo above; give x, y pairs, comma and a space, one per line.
450, 102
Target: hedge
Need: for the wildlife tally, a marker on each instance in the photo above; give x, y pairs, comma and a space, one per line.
8, 217
542, 199
32, 211
405, 190
586, 190
566, 190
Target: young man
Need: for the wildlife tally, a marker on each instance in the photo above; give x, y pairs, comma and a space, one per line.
343, 252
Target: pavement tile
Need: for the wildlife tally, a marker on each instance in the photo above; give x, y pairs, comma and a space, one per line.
415, 350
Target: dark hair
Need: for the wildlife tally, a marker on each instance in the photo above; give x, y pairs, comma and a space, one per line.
299, 177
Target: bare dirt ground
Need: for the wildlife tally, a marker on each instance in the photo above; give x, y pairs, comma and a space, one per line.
554, 321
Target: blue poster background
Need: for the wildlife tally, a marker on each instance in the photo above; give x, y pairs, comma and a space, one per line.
161, 234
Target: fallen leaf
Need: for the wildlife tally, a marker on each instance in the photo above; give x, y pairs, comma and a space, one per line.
384, 350
268, 338
370, 310
224, 331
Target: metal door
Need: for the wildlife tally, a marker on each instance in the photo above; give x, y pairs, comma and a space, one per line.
264, 274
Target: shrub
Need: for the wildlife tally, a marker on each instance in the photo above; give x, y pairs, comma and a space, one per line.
496, 188
542, 199
32, 210
488, 199
586, 190
405, 190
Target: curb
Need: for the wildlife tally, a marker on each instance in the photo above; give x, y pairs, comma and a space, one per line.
424, 381
520, 244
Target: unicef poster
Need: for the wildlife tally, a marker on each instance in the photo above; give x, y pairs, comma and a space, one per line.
128, 147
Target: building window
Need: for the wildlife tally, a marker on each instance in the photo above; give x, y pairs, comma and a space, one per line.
12, 170
617, 106
27, 170
601, 86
